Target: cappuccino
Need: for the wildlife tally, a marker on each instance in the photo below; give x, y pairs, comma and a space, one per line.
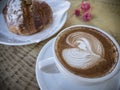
86, 52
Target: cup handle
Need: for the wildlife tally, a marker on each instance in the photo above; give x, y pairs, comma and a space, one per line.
48, 66
46, 62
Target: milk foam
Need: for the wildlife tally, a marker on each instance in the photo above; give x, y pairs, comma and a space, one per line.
86, 50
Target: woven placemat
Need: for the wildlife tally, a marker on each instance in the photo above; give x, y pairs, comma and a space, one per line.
17, 67
17, 63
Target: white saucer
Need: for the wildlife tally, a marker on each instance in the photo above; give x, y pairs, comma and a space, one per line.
59, 19
51, 79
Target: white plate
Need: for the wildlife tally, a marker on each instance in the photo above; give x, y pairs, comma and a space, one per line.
49, 78
59, 8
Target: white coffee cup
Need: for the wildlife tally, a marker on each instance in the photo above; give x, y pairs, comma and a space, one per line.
107, 82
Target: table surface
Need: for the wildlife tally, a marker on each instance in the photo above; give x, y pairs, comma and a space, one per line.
17, 63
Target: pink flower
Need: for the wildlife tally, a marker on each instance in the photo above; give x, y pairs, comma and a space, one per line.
85, 6
86, 16
77, 12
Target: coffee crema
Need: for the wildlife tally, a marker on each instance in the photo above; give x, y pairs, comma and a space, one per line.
86, 52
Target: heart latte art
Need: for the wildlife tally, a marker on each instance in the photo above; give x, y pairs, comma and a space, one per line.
86, 50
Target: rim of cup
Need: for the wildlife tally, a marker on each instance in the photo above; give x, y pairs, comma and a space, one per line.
84, 79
